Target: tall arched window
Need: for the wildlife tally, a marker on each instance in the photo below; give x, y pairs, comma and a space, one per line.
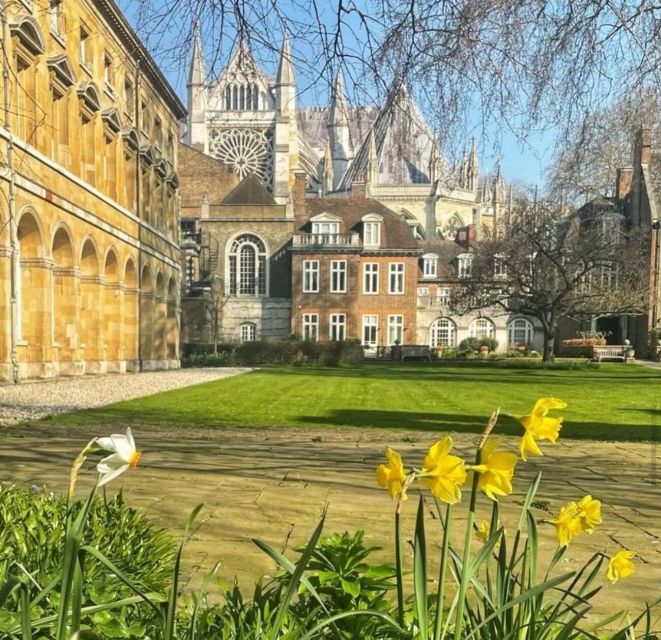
481, 328
247, 266
442, 333
519, 331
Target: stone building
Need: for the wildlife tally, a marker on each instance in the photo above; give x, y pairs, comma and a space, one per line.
309, 182
354, 271
252, 123
89, 232
444, 265
237, 271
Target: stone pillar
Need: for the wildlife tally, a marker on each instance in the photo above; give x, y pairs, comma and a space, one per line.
91, 313
130, 329
6, 374
111, 325
66, 321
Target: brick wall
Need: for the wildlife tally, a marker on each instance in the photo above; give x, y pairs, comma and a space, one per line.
200, 174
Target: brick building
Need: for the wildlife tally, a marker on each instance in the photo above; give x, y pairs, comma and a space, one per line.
354, 272
89, 229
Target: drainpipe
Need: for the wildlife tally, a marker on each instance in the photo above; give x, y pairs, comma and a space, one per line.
13, 238
656, 226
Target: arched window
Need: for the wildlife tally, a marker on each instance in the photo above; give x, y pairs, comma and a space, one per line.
247, 266
520, 331
442, 333
248, 332
481, 328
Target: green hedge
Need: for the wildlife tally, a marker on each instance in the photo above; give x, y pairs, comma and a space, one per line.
272, 352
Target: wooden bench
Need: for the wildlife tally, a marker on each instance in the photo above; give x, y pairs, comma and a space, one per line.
414, 351
610, 352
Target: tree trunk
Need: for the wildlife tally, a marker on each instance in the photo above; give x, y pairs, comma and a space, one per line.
549, 344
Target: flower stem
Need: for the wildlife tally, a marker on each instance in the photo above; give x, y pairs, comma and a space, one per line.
399, 569
440, 596
463, 582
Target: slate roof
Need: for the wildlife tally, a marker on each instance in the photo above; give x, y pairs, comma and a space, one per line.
395, 233
250, 191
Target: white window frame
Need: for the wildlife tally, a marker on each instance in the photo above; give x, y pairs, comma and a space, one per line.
310, 276
464, 265
396, 272
443, 296
310, 326
372, 223
371, 278
423, 291
525, 326
56, 17
482, 328
338, 276
337, 327
326, 228
248, 332
442, 332
430, 266
499, 268
370, 331
395, 329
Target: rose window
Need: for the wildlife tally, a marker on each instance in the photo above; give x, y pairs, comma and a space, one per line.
247, 151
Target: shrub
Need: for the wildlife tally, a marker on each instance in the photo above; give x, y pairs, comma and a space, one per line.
32, 533
470, 344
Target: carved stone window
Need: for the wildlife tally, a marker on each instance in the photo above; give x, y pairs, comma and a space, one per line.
247, 151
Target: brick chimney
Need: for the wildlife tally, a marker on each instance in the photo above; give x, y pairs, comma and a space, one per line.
359, 190
298, 199
623, 182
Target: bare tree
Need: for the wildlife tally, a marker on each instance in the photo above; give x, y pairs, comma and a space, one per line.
587, 158
523, 66
547, 265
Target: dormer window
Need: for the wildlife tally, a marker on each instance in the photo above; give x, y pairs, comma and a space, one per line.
372, 230
464, 265
326, 227
429, 265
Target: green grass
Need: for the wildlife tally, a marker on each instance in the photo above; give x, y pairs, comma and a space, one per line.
612, 402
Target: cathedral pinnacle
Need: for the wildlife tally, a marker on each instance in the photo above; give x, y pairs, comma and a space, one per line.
337, 115
285, 67
197, 74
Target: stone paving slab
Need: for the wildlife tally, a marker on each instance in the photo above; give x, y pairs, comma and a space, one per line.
272, 484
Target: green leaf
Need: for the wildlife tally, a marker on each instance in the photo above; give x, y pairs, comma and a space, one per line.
350, 587
420, 571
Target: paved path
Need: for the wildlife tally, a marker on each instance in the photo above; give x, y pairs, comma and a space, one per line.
33, 400
271, 484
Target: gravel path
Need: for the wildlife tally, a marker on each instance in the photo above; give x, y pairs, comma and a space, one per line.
33, 400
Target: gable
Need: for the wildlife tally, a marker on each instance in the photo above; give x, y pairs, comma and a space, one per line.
250, 191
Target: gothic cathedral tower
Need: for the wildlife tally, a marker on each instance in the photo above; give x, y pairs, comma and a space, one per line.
244, 119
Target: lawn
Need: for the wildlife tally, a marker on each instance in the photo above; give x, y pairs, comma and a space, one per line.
612, 402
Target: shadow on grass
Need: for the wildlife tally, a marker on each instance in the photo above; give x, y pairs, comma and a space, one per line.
120, 416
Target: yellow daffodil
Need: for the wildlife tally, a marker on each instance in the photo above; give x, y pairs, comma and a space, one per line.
442, 473
620, 566
496, 470
124, 455
568, 524
391, 475
482, 532
589, 513
540, 427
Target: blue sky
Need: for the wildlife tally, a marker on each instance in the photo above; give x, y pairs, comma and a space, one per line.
520, 161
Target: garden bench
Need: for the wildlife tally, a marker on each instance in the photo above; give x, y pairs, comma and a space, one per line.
610, 352
415, 351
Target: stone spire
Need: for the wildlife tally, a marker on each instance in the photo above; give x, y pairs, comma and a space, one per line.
197, 74
473, 169
338, 130
372, 160
197, 78
285, 84
328, 168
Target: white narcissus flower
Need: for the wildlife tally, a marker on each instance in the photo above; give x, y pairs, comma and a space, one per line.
124, 456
